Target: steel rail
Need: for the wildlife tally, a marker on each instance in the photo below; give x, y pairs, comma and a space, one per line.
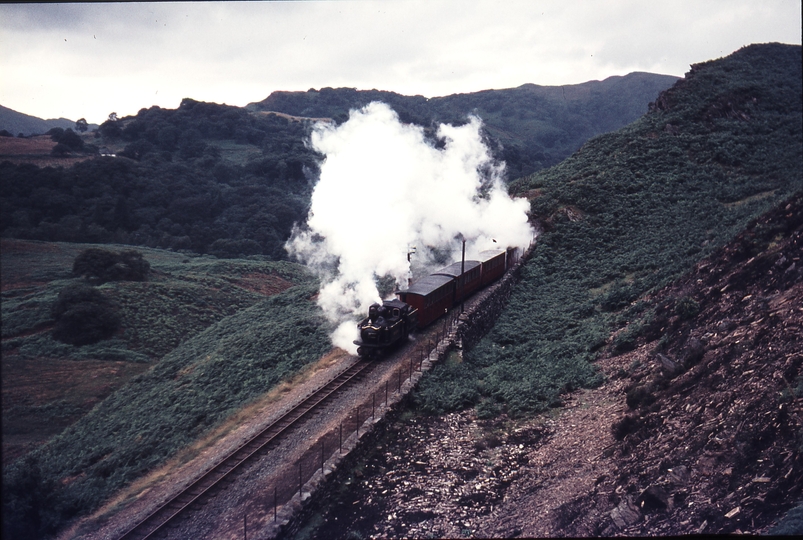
166, 512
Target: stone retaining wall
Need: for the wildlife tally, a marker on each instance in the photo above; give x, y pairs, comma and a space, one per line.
474, 324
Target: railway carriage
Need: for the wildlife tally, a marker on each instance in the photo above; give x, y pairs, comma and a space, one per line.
432, 296
467, 278
493, 264
428, 299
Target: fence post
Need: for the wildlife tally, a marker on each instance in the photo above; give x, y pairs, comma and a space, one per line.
299, 480
341, 437
373, 405
275, 503
322, 458
245, 526
358, 421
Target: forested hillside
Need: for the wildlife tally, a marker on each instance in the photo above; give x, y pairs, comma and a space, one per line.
532, 126
628, 213
205, 178
231, 182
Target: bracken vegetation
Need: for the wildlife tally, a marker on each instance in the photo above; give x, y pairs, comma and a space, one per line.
223, 333
188, 392
628, 213
623, 216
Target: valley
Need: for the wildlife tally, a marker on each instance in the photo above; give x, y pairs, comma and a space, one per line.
643, 378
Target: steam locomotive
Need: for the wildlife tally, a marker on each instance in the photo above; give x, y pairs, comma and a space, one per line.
390, 323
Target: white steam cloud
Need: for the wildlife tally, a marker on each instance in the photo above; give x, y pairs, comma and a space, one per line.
383, 188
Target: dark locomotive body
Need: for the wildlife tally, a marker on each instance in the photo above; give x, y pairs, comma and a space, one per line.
428, 299
385, 326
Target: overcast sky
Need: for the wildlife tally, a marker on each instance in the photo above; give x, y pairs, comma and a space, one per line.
87, 60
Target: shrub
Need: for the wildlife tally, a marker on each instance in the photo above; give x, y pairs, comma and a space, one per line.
100, 265
687, 308
791, 524
60, 150
639, 395
27, 501
624, 427
83, 316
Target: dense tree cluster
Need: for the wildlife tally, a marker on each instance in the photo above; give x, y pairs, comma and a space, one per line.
83, 316
231, 182
101, 265
67, 141
195, 129
175, 191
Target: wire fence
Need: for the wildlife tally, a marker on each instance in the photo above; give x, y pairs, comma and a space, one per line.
290, 480
289, 485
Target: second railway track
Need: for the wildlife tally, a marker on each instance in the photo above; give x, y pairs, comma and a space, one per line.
156, 522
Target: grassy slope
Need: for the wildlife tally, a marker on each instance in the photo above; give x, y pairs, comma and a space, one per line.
220, 343
629, 212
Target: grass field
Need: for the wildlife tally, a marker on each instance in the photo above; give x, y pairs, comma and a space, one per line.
36, 150
48, 385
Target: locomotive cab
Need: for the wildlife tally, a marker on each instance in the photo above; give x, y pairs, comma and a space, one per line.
387, 324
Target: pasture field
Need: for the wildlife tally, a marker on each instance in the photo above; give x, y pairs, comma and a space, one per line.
36, 150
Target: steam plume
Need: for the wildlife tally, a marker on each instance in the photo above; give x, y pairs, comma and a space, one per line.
383, 188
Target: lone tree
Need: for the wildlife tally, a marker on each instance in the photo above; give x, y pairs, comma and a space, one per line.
81, 125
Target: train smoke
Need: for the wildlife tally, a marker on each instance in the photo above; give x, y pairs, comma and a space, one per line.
385, 187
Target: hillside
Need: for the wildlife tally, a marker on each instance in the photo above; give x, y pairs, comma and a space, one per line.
704, 437
231, 182
215, 180
625, 216
657, 325
16, 122
532, 126
197, 340
628, 213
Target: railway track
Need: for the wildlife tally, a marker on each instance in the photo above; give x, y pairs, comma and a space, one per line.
156, 523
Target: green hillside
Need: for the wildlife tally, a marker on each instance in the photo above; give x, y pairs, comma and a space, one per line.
205, 178
629, 212
198, 340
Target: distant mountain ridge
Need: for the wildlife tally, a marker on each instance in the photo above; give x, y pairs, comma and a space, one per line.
536, 126
16, 122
